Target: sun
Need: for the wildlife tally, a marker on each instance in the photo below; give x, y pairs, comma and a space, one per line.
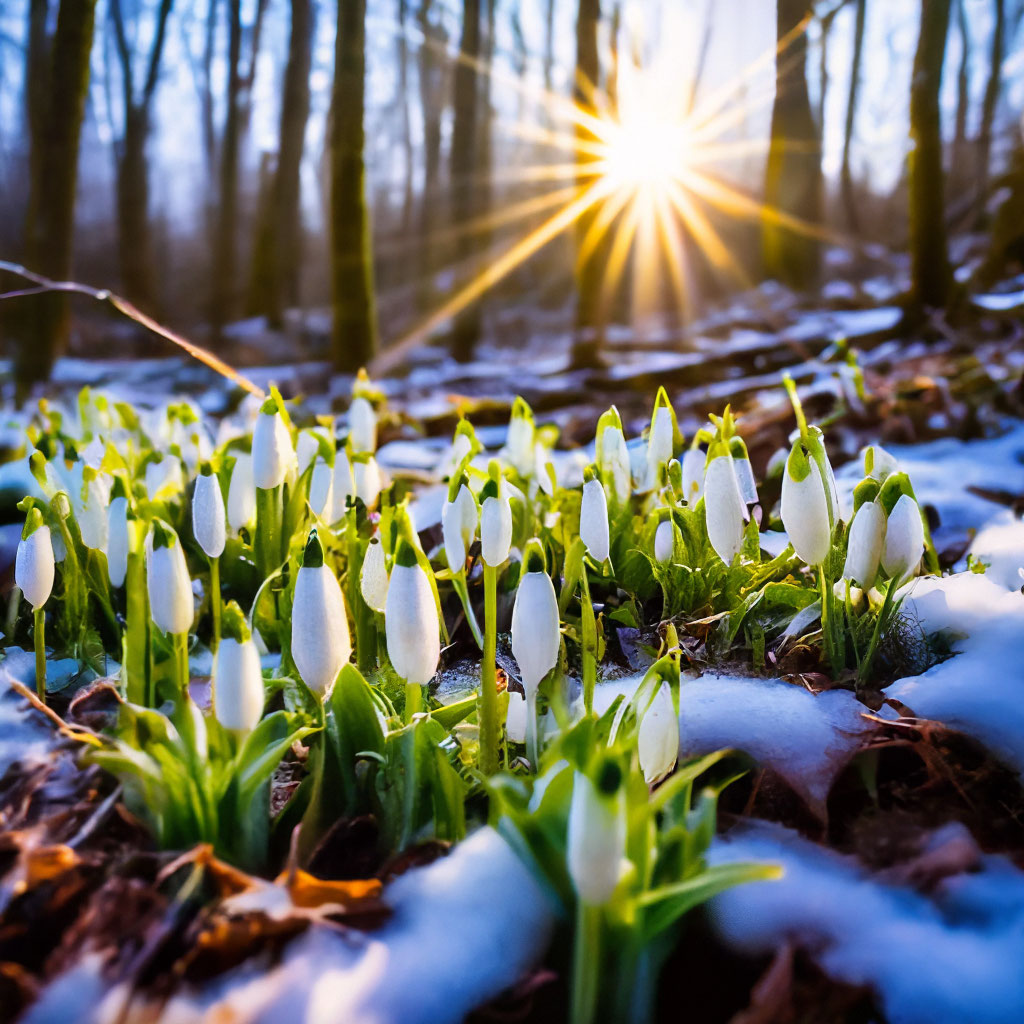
645, 152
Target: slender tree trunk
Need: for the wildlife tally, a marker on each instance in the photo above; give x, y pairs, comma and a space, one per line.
793, 186
930, 273
355, 322
963, 96
549, 44
49, 229
431, 97
403, 101
990, 102
845, 174
590, 307
465, 169
226, 242
278, 251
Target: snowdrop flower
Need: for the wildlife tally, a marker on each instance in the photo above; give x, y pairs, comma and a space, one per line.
307, 448
320, 637
461, 447
515, 717
744, 470
594, 519
879, 464
693, 475
241, 493
117, 536
373, 576
170, 586
665, 540
596, 841
518, 448
724, 509
658, 737
865, 545
544, 469
806, 506
368, 481
613, 458
411, 624
90, 509
208, 517
164, 478
321, 489
362, 425
904, 539
238, 694
343, 486
495, 526
458, 526
535, 622
34, 562
272, 454
660, 438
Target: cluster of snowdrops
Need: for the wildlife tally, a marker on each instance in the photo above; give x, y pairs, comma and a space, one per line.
289, 556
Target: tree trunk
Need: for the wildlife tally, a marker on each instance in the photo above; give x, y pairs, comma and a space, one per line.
278, 252
465, 170
990, 102
549, 44
586, 350
845, 174
930, 273
793, 186
355, 322
135, 251
49, 230
432, 99
403, 100
225, 241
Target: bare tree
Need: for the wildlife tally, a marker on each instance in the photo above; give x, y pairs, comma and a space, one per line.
278, 252
433, 90
355, 321
133, 226
57, 77
990, 100
845, 175
929, 256
464, 169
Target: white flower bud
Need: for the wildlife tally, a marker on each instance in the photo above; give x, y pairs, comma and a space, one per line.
805, 513
170, 587
664, 541
208, 522
272, 453
238, 694
516, 717
614, 463
865, 544
518, 449
724, 509
34, 566
164, 478
543, 469
458, 526
321, 489
373, 576
344, 485
495, 530
367, 479
320, 636
535, 628
91, 511
658, 737
362, 425
904, 539
306, 449
594, 520
659, 440
117, 541
241, 493
745, 478
411, 625
879, 464
693, 475
596, 841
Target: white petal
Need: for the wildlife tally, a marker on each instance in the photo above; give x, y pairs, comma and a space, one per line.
535, 628
34, 566
724, 509
495, 530
344, 486
241, 493
805, 515
865, 544
658, 737
321, 488
664, 541
320, 636
411, 624
117, 541
594, 520
373, 577
171, 604
693, 475
238, 694
362, 425
208, 522
272, 453
596, 842
368, 482
904, 539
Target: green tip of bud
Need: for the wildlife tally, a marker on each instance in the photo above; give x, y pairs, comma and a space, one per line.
269, 407
520, 409
405, 555
608, 777
313, 554
163, 535
119, 489
233, 623
33, 521
738, 447
675, 474
533, 557
589, 473
205, 469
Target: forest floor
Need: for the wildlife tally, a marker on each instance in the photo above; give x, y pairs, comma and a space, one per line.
899, 821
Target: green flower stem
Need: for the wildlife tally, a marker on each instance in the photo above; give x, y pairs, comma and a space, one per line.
138, 677
269, 513
460, 588
588, 629
215, 599
488, 709
365, 620
532, 739
39, 642
828, 623
180, 643
881, 623
586, 968
413, 700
